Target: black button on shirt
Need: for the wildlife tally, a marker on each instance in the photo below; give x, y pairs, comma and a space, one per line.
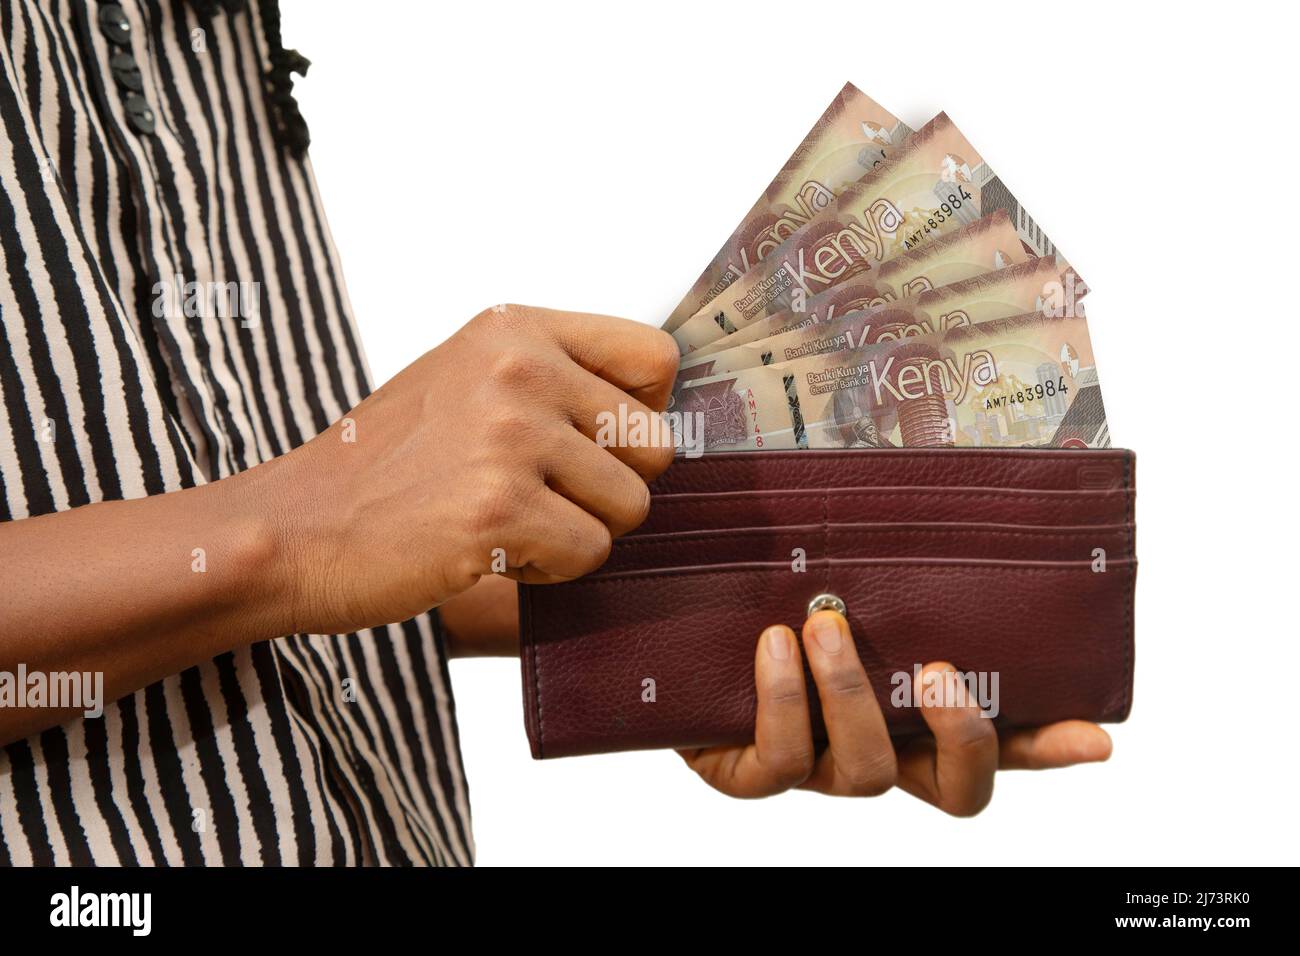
139, 114
114, 24
126, 72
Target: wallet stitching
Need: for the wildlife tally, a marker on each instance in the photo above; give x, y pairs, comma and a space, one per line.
1062, 497
1122, 532
947, 453
535, 654
1041, 455
995, 564
826, 539
1081, 531
1130, 637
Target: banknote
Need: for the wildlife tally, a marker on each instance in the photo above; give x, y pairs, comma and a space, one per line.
853, 135
1031, 286
986, 244
932, 185
927, 187
1024, 381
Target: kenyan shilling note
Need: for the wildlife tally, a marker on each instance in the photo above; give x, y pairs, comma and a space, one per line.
1031, 286
853, 135
931, 186
1024, 381
985, 245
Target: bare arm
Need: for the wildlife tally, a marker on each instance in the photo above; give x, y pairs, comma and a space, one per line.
137, 590
481, 447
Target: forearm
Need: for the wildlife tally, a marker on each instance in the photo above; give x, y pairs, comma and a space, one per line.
363, 525
138, 590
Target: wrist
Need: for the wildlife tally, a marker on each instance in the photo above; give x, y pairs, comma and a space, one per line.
266, 539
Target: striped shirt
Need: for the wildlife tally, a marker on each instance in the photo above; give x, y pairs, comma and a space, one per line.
114, 186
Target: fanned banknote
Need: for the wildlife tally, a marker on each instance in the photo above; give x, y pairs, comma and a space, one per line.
852, 136
985, 245
1031, 286
1023, 381
934, 184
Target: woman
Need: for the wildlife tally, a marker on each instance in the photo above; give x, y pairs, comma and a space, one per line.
191, 469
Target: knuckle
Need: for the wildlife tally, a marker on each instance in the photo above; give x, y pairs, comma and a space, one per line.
514, 368
658, 458
966, 806
505, 316
487, 518
510, 426
972, 733
496, 504
512, 448
638, 506
873, 775
790, 766
593, 544
665, 357
785, 691
846, 683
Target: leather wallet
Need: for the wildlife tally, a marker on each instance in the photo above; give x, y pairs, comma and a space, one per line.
1014, 562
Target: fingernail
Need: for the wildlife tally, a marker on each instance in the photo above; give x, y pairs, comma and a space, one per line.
826, 629
778, 643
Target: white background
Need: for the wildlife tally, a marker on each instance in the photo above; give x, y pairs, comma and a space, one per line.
594, 158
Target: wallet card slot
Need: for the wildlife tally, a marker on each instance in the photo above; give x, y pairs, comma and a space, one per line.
722, 510
800, 544
1096, 469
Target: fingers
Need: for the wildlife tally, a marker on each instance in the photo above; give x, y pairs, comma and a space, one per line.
639, 359
624, 427
860, 759
597, 482
562, 540
610, 377
782, 754
955, 770
783, 745
1056, 745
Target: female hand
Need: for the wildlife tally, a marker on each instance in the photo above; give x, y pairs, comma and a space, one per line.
483, 452
952, 769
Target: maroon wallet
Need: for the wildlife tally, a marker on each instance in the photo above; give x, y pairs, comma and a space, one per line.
1018, 562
